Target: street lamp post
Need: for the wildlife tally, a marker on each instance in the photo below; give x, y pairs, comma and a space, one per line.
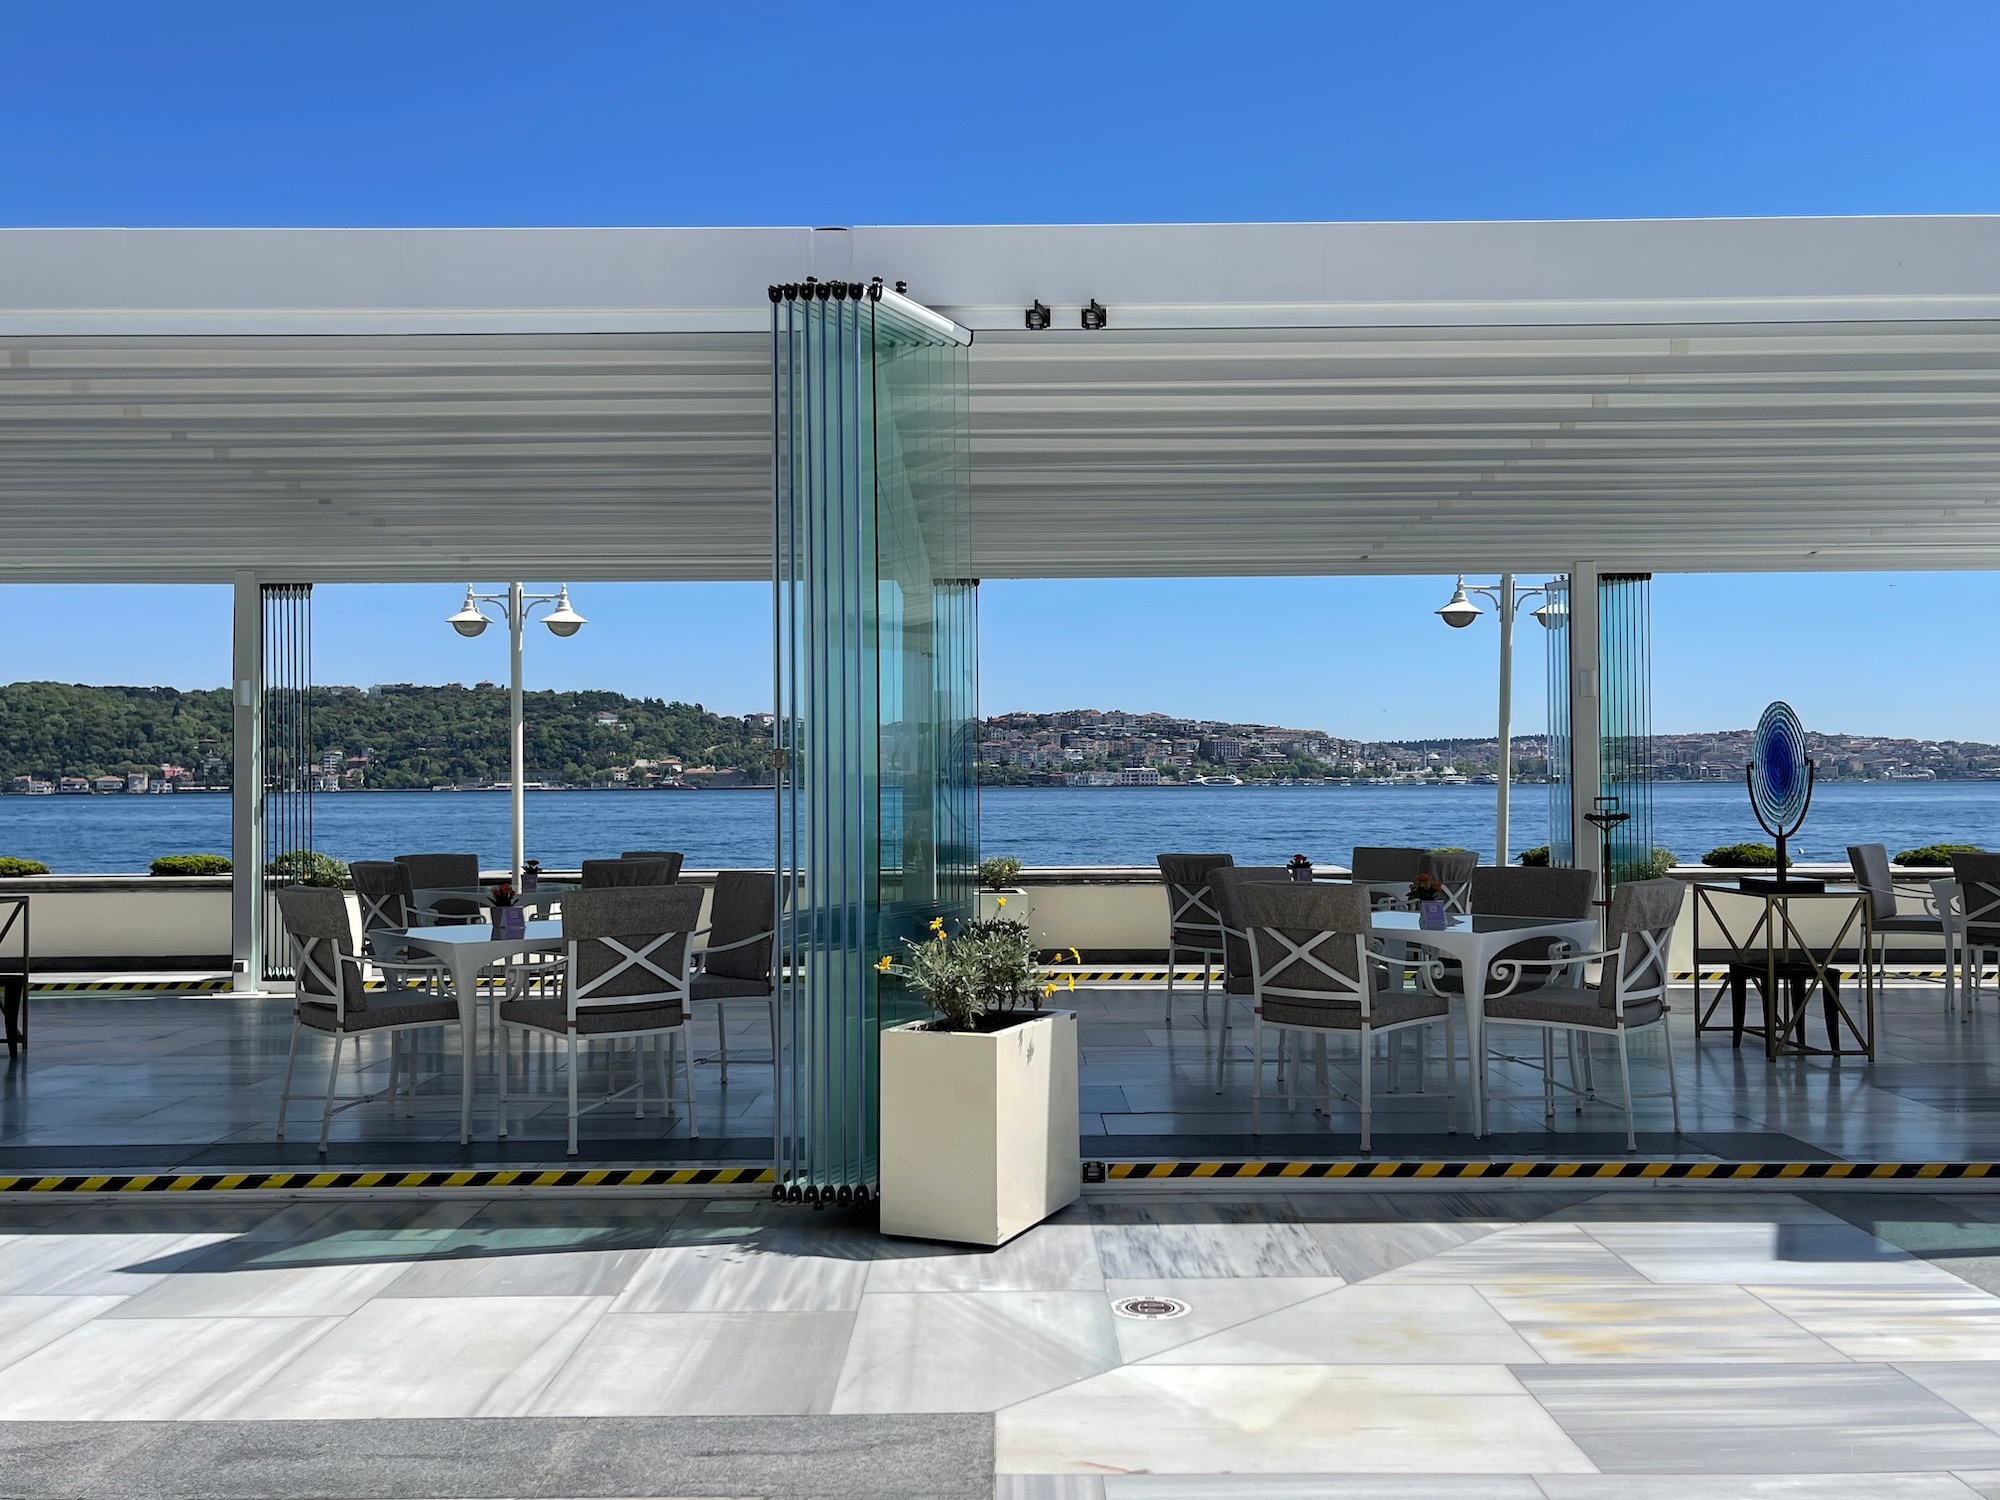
1459, 611
562, 620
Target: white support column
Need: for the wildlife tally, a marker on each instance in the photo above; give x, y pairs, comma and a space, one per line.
246, 787
1586, 717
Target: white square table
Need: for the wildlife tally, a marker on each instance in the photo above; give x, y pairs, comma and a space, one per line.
1476, 941
466, 949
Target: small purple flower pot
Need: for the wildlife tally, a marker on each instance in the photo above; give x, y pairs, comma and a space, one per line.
509, 922
1431, 914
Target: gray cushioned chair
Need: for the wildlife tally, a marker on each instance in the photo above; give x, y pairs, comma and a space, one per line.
1225, 884
734, 965
1194, 928
1977, 877
1313, 973
448, 885
1629, 994
1526, 891
1452, 869
627, 872
1885, 917
1387, 866
330, 997
671, 856
624, 973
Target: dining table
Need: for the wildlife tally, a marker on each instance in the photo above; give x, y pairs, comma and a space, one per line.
1475, 941
467, 949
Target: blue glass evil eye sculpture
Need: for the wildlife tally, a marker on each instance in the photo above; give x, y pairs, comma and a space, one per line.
1780, 783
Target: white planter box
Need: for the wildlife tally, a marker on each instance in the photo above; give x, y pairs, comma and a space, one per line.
979, 1129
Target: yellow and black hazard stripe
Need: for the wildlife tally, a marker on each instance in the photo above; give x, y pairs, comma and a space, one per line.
1509, 1171
128, 986
509, 1177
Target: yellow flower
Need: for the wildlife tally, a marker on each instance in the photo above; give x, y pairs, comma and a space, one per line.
1000, 901
1076, 955
1072, 981
1048, 990
884, 963
937, 924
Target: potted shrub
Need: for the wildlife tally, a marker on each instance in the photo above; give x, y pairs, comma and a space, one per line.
308, 867
998, 888
12, 867
1750, 856
1933, 856
979, 1103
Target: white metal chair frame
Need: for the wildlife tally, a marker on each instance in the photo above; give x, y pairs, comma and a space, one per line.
700, 958
1567, 972
424, 911
428, 979
1964, 954
1357, 989
1190, 904
577, 995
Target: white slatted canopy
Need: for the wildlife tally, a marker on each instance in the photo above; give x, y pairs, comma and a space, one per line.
1738, 394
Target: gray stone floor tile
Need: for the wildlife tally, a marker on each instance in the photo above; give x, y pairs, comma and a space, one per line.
1370, 1324
96, 1265
704, 1364
972, 1351
924, 1457
1359, 1251
773, 1272
29, 1323
1946, 1320
522, 1273
1048, 1487
1749, 1419
1629, 1323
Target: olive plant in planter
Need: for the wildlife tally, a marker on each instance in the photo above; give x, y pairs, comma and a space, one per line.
979, 1103
997, 887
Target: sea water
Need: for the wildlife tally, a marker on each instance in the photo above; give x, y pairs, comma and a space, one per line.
1037, 825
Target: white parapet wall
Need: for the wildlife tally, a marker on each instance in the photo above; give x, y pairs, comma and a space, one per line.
126, 921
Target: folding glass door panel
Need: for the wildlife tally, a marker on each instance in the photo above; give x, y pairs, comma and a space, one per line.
1625, 663
290, 754
875, 621
1561, 850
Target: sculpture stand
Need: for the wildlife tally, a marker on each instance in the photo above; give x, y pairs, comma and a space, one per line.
1783, 880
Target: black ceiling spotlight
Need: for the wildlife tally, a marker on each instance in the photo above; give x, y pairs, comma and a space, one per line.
1038, 316
1093, 316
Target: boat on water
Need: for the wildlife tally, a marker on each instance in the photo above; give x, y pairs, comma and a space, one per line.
1452, 778
1216, 781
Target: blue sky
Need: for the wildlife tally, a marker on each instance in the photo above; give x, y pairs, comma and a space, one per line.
496, 113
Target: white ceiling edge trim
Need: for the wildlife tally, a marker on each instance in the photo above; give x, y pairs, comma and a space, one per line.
752, 320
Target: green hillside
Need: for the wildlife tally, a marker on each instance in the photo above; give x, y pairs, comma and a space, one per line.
412, 736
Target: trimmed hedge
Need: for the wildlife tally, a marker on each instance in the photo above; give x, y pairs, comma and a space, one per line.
1935, 854
999, 872
10, 866
309, 867
191, 864
1537, 856
1661, 862
1743, 857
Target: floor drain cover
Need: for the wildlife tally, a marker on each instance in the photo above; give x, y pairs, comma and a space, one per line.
1150, 1307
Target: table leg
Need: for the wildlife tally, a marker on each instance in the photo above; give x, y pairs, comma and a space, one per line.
465, 981
1474, 986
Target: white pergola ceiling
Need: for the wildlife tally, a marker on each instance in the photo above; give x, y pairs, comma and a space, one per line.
327, 405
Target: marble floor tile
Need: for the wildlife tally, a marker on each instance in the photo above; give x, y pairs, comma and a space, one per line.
769, 1273
1982, 1482
1359, 1251
158, 1369
1948, 1321
1971, 1385
524, 1273
1048, 1487
1049, 1258
1371, 1324
1750, 1419
1214, 1303
1286, 1419
1714, 1250
429, 1357
1919, 1486
28, 1323
263, 1292
1524, 1252
96, 1265
1627, 1323
1185, 1251
702, 1364
971, 1351
1322, 1487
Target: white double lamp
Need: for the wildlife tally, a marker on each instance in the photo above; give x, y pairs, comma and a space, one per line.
1460, 611
515, 606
